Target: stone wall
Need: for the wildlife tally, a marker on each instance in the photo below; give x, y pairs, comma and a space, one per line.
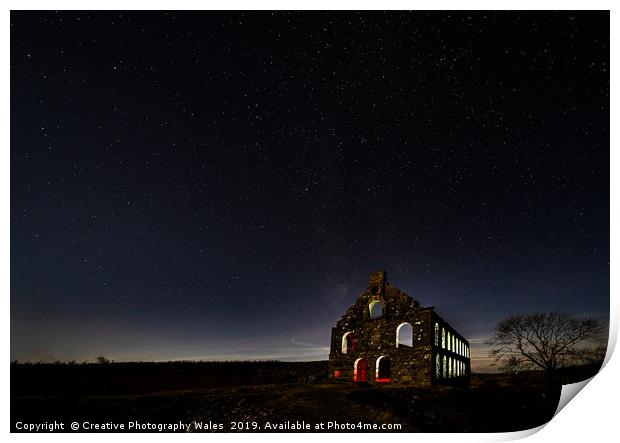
376, 338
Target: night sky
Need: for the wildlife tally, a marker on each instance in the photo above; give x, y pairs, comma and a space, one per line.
219, 185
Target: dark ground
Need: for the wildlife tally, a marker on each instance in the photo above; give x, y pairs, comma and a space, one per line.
257, 392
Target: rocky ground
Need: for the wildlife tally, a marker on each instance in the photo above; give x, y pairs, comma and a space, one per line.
308, 403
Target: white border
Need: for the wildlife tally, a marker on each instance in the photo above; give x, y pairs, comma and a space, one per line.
593, 417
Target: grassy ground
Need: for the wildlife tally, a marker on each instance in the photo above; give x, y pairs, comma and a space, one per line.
223, 393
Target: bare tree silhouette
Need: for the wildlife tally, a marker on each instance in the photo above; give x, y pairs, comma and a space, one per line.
103, 360
547, 341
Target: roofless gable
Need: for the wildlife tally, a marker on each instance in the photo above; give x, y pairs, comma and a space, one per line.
387, 336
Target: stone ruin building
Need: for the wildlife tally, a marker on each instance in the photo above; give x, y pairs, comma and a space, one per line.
387, 337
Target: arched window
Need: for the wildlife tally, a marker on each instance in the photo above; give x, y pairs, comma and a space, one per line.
449, 367
437, 367
449, 341
375, 308
443, 338
436, 334
383, 372
444, 372
348, 343
360, 370
404, 335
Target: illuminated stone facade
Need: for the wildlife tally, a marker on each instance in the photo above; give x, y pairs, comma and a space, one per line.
387, 337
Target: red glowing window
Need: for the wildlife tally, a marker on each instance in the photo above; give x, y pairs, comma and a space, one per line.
348, 343
360, 370
384, 370
336, 374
